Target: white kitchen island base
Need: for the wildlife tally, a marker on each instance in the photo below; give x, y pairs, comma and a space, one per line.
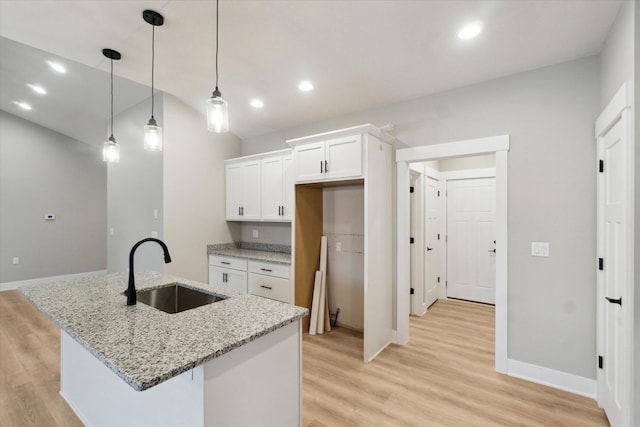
256, 384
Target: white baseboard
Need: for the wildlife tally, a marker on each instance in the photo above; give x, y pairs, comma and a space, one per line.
394, 336
550, 377
13, 285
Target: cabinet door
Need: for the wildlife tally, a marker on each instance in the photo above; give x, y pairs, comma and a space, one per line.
251, 191
233, 188
237, 281
217, 277
344, 157
309, 162
288, 188
272, 188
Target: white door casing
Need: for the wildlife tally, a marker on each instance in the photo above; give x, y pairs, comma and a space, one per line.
615, 253
498, 145
471, 239
432, 251
418, 308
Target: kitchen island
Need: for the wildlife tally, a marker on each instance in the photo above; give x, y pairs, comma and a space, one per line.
232, 362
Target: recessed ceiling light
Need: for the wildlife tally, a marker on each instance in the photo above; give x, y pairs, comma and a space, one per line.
470, 31
305, 86
37, 89
256, 103
22, 105
56, 66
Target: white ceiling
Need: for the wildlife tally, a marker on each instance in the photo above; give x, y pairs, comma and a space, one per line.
359, 54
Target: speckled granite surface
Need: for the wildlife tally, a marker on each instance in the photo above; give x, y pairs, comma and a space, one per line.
255, 251
145, 346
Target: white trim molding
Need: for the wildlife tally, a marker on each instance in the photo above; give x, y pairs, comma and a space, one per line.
498, 145
550, 377
40, 280
467, 147
622, 100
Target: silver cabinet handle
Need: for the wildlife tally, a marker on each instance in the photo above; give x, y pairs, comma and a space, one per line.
266, 287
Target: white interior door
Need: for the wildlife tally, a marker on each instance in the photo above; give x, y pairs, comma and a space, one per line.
614, 301
471, 239
432, 243
418, 306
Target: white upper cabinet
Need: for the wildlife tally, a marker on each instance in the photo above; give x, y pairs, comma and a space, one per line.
260, 187
332, 159
243, 191
277, 188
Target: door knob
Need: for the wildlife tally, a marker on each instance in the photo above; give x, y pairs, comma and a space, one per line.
492, 250
614, 301
429, 249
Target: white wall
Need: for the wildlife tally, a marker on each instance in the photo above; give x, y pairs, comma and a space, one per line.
194, 190
343, 223
461, 163
134, 188
42, 172
549, 114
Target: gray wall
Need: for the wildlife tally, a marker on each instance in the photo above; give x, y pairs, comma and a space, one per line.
194, 190
134, 191
549, 114
461, 163
276, 233
636, 321
43, 172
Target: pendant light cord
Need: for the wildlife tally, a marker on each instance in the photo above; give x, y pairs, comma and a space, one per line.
153, 61
111, 98
217, 31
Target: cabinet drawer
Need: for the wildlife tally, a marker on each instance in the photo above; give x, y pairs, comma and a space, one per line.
269, 269
269, 287
228, 262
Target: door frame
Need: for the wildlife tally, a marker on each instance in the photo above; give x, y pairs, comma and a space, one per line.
417, 248
620, 106
495, 144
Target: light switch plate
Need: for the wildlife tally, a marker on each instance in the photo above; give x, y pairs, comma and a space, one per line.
256, 233
540, 249
16, 260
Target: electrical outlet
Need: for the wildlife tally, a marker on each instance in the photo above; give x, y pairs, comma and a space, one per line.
16, 260
540, 249
256, 233
338, 246
154, 234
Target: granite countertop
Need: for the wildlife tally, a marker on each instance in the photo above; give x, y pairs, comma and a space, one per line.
278, 254
145, 346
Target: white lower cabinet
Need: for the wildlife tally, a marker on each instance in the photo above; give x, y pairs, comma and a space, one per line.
228, 273
270, 280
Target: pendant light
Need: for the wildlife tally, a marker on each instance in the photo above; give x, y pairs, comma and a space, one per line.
217, 107
153, 132
111, 149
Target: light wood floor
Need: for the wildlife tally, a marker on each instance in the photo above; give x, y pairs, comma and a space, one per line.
444, 377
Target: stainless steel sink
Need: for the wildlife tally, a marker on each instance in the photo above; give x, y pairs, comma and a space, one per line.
176, 298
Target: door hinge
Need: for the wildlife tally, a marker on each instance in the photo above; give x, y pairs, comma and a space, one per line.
600, 362
601, 166
411, 240
412, 291
438, 236
446, 283
438, 193
438, 279
600, 263
411, 189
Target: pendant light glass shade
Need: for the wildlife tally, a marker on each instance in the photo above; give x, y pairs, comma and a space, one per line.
110, 148
217, 107
217, 113
153, 132
111, 151
152, 136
